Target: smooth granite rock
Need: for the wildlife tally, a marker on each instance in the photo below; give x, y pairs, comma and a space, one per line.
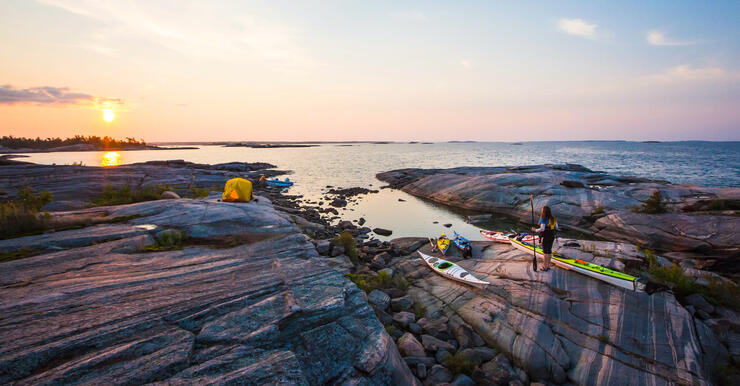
245, 301
73, 187
688, 226
562, 326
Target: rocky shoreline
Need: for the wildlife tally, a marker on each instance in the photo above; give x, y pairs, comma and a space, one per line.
275, 291
699, 225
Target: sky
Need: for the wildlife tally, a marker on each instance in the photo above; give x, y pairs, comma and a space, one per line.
378, 70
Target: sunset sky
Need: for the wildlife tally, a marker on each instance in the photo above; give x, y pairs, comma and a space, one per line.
371, 70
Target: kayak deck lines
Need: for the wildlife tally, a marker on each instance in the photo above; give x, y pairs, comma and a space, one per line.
450, 270
619, 279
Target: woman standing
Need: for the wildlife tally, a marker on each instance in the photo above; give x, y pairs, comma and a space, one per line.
548, 226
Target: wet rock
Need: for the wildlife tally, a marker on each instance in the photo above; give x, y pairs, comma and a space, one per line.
408, 346
403, 303
404, 318
168, 194
393, 292
382, 232
338, 202
433, 344
438, 374
379, 299
344, 224
447, 225
361, 221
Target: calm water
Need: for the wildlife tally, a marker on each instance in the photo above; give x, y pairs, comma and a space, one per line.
313, 168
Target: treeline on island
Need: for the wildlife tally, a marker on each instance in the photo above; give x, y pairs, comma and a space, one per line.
49, 143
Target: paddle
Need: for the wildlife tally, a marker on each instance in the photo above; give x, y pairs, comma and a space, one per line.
534, 239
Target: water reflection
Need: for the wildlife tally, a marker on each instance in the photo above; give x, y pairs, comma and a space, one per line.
111, 158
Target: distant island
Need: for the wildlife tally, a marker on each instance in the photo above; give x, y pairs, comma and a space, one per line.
10, 144
650, 141
258, 145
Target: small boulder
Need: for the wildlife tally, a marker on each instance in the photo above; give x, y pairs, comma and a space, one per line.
478, 355
699, 303
361, 221
377, 262
169, 195
447, 225
323, 246
337, 250
438, 374
433, 344
463, 380
404, 318
338, 203
441, 355
402, 304
393, 292
383, 232
383, 316
379, 299
572, 184
436, 327
408, 346
464, 334
412, 361
415, 328
344, 224
492, 373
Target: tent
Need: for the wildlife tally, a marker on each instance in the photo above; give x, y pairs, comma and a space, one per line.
237, 189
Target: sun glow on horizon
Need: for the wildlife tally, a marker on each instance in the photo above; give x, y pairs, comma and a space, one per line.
109, 115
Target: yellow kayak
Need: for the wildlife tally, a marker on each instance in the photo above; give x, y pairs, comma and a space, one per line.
443, 243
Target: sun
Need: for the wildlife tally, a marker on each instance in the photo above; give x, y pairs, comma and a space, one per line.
108, 115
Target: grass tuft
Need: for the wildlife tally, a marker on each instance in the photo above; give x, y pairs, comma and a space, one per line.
652, 205
459, 364
126, 195
21, 217
346, 240
168, 240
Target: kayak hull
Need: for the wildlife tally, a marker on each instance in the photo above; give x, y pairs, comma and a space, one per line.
451, 270
595, 271
279, 184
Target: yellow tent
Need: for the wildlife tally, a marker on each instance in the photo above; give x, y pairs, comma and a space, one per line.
237, 189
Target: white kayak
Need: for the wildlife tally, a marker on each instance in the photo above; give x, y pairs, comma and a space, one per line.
450, 270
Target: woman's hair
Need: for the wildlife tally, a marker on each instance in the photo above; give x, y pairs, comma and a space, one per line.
546, 213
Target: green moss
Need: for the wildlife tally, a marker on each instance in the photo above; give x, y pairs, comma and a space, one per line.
400, 282
384, 280
168, 240
419, 311
459, 364
123, 218
369, 282
599, 210
200, 192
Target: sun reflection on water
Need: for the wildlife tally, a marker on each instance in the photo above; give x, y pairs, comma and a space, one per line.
111, 158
